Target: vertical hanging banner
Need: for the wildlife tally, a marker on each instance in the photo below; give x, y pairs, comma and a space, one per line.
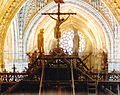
61, 1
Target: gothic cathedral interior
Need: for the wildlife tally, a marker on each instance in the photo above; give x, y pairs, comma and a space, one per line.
60, 47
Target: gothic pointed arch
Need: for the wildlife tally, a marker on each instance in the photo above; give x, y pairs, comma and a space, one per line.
100, 20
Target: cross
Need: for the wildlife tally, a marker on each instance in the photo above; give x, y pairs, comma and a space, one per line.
58, 18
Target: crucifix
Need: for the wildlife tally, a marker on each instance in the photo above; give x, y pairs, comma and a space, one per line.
59, 21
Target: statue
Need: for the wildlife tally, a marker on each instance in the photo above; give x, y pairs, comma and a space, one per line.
30, 58
58, 24
105, 57
76, 42
34, 56
104, 60
40, 41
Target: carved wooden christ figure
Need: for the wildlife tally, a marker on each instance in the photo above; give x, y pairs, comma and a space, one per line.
56, 26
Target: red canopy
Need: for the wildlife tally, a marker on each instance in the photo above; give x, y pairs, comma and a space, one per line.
61, 1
